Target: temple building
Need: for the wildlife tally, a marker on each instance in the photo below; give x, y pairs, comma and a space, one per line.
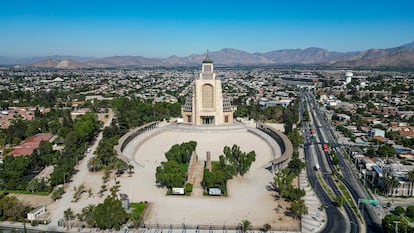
208, 105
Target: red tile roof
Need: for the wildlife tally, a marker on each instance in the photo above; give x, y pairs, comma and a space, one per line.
28, 146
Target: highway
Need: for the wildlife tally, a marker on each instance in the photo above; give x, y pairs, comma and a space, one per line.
372, 222
336, 219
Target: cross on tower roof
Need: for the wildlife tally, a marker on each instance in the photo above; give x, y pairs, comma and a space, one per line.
207, 59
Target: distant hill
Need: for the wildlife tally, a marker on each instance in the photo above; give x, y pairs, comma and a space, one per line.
303, 56
30, 60
409, 45
402, 56
396, 57
60, 64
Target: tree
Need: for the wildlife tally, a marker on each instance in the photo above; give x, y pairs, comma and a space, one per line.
37, 185
386, 150
110, 214
94, 164
266, 227
171, 174
130, 167
68, 215
298, 208
388, 224
410, 178
370, 152
14, 172
295, 165
295, 138
13, 209
390, 183
241, 161
87, 214
410, 211
245, 225
399, 211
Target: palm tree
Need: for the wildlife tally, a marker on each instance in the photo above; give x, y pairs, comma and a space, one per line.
410, 178
298, 208
95, 164
391, 183
245, 225
130, 167
87, 214
119, 166
68, 215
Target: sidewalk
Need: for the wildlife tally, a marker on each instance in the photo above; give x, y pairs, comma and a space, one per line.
316, 219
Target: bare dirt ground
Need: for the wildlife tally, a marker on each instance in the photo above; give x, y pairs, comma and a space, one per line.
249, 197
33, 200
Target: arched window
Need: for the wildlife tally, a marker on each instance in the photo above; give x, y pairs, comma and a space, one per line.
207, 99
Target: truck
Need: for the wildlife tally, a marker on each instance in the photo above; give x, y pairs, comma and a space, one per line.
325, 147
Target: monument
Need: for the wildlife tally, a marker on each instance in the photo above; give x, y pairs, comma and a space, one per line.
207, 105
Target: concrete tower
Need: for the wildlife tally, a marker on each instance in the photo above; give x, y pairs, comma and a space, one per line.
207, 106
348, 77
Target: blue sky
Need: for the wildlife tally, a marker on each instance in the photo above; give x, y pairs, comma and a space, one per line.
156, 28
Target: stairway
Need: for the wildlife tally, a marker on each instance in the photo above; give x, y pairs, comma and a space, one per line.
197, 178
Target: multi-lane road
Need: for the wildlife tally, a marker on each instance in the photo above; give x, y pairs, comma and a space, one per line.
324, 135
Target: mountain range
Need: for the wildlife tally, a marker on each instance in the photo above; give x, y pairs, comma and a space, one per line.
401, 56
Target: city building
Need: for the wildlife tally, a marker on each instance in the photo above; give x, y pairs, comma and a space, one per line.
28, 146
208, 105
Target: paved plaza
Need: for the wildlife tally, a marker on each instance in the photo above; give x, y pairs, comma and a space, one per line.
249, 197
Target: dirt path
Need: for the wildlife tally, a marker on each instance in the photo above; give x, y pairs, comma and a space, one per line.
83, 176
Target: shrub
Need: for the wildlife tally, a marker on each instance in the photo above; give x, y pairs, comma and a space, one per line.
410, 211
57, 194
188, 188
399, 211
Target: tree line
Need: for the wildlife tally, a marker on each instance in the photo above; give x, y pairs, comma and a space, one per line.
288, 115
283, 185
135, 112
173, 172
18, 172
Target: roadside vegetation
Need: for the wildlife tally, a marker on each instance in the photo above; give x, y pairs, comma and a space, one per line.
283, 186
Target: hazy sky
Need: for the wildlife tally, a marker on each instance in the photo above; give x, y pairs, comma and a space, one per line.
156, 28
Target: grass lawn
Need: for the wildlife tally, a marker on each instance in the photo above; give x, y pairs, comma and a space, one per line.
348, 198
326, 188
138, 208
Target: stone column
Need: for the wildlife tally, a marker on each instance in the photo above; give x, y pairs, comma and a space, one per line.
208, 163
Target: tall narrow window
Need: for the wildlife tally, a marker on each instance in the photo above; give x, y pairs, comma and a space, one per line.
207, 98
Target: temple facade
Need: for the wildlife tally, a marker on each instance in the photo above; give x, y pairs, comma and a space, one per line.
207, 105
